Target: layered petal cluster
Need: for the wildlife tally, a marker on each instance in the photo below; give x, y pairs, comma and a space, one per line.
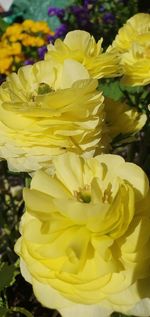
122, 121
85, 237
132, 31
133, 44
45, 112
82, 47
136, 64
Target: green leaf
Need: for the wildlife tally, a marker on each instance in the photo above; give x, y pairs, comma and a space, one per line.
3, 311
111, 90
3, 26
7, 273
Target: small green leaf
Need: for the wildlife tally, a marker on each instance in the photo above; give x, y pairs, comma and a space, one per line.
7, 273
21, 310
3, 25
111, 90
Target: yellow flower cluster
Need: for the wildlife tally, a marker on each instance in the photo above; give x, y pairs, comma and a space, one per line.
31, 34
133, 45
85, 237
54, 107
9, 54
85, 234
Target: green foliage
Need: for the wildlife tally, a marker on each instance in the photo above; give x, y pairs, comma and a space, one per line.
7, 275
102, 18
6, 312
3, 311
111, 89
3, 26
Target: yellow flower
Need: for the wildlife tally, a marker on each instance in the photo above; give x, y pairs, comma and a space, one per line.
133, 30
123, 121
15, 49
13, 32
5, 64
3, 50
9, 49
38, 121
36, 26
133, 44
136, 64
85, 237
28, 40
41, 26
82, 47
6, 57
25, 31
15, 28
27, 24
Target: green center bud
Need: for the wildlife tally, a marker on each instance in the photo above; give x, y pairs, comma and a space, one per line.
83, 195
44, 89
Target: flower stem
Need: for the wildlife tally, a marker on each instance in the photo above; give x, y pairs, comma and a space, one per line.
20, 310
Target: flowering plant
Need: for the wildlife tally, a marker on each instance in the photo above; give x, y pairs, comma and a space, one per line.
85, 236
88, 14
85, 233
20, 42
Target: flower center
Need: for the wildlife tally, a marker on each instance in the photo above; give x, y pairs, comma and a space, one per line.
84, 194
42, 89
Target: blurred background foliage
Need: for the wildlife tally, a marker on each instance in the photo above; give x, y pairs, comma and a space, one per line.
101, 19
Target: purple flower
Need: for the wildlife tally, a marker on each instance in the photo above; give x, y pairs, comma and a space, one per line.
41, 51
81, 14
86, 3
78, 10
51, 38
61, 31
28, 62
53, 11
108, 17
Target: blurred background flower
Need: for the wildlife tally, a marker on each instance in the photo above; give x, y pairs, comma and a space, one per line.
20, 43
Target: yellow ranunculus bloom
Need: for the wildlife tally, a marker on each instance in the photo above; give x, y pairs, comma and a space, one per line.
123, 121
85, 237
39, 121
136, 64
136, 27
82, 47
133, 44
